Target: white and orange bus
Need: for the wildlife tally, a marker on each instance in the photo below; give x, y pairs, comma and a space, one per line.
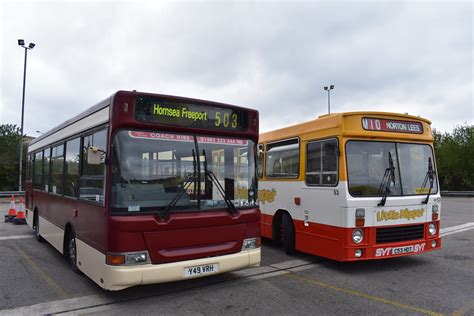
351, 186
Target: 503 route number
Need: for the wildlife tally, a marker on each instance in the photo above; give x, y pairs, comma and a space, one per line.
226, 119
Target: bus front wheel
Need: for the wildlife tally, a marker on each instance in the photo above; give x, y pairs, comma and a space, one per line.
288, 234
71, 251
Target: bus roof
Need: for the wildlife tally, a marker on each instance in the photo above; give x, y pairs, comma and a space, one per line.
333, 121
105, 103
99, 106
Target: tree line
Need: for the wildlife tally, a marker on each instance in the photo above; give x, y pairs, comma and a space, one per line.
454, 157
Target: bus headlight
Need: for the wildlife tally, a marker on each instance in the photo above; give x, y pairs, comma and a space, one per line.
432, 229
251, 243
357, 235
136, 258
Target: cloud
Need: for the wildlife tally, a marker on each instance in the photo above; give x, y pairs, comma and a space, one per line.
273, 56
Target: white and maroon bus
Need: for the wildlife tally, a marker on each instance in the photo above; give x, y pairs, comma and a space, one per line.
145, 188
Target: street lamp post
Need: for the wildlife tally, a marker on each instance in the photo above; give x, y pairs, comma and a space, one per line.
21, 43
328, 89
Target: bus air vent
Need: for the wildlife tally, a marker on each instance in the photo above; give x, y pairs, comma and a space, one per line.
400, 233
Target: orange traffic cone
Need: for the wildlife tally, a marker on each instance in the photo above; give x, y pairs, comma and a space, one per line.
20, 218
12, 211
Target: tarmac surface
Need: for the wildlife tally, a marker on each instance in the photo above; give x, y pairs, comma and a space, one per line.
36, 279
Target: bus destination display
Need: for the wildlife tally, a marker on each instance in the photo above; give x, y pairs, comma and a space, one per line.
385, 125
189, 115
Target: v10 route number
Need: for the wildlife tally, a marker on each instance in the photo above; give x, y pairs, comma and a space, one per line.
201, 270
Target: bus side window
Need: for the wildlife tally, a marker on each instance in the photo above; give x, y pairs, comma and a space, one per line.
282, 159
30, 167
57, 170
38, 171
72, 167
93, 174
322, 163
46, 163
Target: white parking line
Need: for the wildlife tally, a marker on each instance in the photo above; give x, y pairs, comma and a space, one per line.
52, 307
456, 229
16, 237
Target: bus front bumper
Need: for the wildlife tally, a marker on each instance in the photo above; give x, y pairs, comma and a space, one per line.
391, 250
120, 277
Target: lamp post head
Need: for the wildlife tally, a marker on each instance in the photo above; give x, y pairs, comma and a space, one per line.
31, 45
331, 87
325, 88
21, 42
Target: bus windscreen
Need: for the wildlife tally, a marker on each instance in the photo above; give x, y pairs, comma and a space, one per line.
156, 172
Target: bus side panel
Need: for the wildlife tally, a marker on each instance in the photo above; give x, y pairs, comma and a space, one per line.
318, 239
53, 209
91, 224
52, 233
51, 226
318, 219
266, 225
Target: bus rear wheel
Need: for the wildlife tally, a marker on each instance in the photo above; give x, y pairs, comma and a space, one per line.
36, 227
288, 234
71, 251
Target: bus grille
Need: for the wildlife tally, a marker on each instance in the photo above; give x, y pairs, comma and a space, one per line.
399, 233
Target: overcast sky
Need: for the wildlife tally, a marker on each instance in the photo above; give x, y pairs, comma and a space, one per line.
399, 56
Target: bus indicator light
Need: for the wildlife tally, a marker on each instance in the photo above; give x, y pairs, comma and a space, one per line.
360, 217
435, 212
115, 260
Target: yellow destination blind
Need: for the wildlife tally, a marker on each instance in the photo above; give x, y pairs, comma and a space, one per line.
189, 115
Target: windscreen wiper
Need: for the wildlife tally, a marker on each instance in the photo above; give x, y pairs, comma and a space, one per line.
164, 214
211, 176
190, 179
388, 177
430, 174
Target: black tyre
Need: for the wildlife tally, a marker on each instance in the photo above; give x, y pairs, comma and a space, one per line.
288, 234
277, 233
71, 251
36, 227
